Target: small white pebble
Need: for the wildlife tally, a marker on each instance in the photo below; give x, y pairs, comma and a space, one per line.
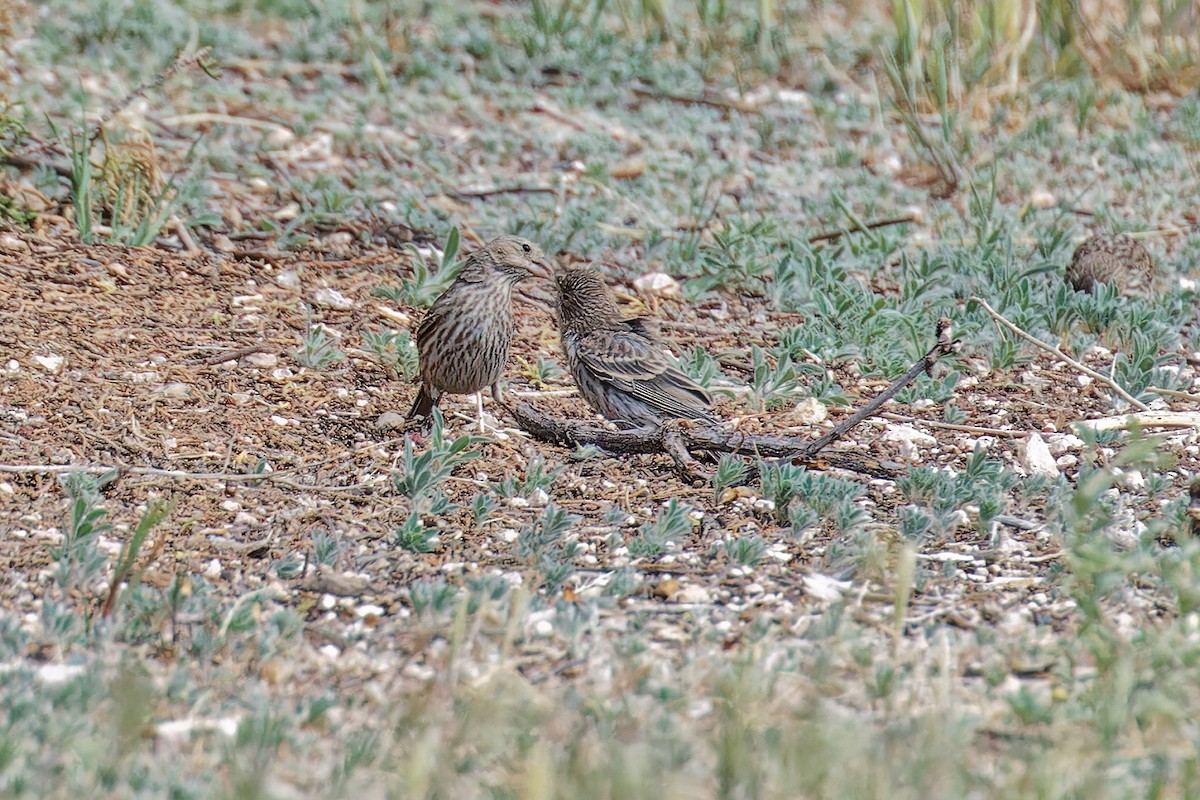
50, 363
368, 610
1040, 198
657, 283
261, 360
332, 298
176, 390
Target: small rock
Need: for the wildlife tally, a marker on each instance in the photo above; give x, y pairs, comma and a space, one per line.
212, 570
1063, 443
55, 674
825, 588
338, 240
51, 363
182, 729
332, 298
118, 269
176, 390
1035, 456
1040, 198
231, 506
658, 283
287, 213
289, 279
261, 360
538, 498
368, 610
763, 505
628, 168
330, 651
692, 595
795, 97
390, 420
909, 434
245, 518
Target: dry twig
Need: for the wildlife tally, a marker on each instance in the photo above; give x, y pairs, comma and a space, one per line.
1060, 355
861, 228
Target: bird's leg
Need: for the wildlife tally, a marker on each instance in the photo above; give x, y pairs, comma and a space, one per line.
483, 427
498, 396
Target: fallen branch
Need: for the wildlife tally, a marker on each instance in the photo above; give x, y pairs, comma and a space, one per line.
680, 439
1152, 419
945, 346
670, 439
1060, 355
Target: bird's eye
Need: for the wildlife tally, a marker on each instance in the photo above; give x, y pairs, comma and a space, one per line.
525, 247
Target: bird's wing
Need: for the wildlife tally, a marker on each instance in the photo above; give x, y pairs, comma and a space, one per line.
428, 323
636, 364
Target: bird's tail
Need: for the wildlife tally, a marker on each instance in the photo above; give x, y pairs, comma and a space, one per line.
424, 405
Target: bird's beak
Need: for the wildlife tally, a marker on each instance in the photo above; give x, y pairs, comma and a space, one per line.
542, 268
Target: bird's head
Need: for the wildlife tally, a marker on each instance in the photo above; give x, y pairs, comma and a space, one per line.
517, 258
583, 299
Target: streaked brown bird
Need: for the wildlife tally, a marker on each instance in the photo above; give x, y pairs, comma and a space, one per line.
618, 363
463, 341
1109, 258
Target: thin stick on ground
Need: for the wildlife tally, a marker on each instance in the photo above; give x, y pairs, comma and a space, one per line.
1060, 355
477, 194
862, 227
680, 439
951, 426
1173, 393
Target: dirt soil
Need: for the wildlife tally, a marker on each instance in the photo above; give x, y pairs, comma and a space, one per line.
179, 371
